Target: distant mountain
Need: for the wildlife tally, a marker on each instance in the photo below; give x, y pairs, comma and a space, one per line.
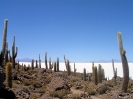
99, 61
24, 60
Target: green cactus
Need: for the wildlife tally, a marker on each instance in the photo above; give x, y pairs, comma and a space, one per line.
57, 64
95, 76
93, 68
124, 64
103, 74
114, 72
50, 63
46, 60
68, 68
14, 55
75, 70
84, 74
4, 36
36, 64
39, 61
6, 53
9, 74
32, 64
99, 73
54, 66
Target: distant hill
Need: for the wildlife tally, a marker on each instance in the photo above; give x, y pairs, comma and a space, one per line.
24, 60
99, 61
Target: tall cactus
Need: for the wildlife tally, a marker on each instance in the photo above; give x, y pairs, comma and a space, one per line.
57, 64
93, 71
6, 53
50, 63
68, 67
99, 73
46, 60
75, 70
9, 74
95, 76
32, 64
39, 61
65, 59
124, 63
2, 54
84, 74
114, 72
36, 64
54, 66
14, 54
103, 74
4, 37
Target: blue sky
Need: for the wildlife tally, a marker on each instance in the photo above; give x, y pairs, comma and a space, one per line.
83, 30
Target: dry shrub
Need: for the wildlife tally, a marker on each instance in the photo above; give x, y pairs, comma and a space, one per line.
73, 79
37, 84
25, 89
43, 89
60, 93
102, 89
33, 96
91, 91
27, 82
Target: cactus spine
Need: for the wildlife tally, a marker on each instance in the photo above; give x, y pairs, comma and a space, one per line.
124, 64
84, 74
14, 55
9, 74
57, 64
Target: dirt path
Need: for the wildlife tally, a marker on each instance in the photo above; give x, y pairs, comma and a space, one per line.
74, 91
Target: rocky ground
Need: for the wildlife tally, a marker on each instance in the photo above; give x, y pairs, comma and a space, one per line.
47, 84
